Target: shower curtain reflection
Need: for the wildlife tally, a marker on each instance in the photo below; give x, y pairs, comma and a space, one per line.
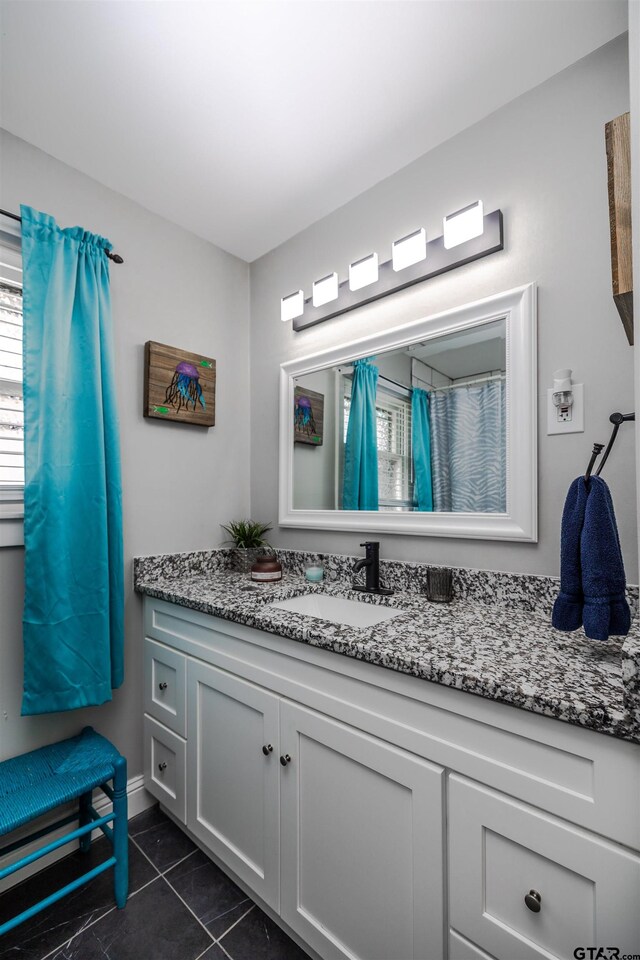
468, 448
421, 445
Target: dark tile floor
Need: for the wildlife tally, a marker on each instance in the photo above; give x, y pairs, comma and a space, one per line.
181, 907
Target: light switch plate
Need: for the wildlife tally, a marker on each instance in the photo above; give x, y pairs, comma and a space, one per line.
576, 424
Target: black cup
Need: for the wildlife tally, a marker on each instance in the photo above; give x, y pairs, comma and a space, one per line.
440, 585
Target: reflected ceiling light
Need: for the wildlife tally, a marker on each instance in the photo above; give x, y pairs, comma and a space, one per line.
409, 250
463, 225
325, 290
292, 306
363, 272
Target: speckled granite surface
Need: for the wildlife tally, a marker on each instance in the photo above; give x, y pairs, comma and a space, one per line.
495, 640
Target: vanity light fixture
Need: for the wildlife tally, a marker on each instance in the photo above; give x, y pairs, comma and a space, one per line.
463, 225
469, 231
409, 250
292, 306
363, 272
325, 290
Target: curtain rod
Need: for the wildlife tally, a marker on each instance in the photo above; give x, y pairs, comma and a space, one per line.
465, 383
112, 256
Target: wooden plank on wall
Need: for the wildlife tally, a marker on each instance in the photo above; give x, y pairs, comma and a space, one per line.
618, 142
179, 385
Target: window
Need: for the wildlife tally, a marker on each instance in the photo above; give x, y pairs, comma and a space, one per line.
393, 422
11, 402
393, 427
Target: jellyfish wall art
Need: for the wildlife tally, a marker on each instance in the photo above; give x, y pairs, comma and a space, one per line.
308, 416
179, 385
185, 387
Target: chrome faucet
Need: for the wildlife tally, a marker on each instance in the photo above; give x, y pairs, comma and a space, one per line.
371, 564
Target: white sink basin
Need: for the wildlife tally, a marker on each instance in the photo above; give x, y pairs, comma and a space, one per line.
351, 613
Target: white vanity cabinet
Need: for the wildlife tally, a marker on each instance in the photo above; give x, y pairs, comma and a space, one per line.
381, 817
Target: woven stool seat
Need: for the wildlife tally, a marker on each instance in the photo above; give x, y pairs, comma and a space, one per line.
36, 782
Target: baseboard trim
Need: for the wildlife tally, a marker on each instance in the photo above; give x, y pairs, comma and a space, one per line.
138, 800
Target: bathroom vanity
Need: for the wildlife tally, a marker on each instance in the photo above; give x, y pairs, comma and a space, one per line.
381, 816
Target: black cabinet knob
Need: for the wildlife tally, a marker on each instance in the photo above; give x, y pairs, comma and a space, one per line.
162, 766
163, 685
267, 749
533, 900
285, 759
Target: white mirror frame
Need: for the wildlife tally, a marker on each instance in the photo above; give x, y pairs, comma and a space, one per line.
520, 522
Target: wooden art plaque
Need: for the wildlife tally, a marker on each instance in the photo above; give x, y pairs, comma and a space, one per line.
179, 385
308, 416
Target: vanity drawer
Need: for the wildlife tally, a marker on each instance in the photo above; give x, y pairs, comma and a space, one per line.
500, 850
165, 759
165, 686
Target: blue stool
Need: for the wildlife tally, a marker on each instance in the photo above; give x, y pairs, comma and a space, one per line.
39, 781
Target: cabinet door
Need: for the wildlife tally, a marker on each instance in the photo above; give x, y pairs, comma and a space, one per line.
362, 842
502, 851
233, 791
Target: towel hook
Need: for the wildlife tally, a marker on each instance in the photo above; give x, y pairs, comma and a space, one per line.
595, 453
616, 419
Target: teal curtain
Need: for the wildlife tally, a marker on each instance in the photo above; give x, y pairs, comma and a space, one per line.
421, 447
360, 482
74, 583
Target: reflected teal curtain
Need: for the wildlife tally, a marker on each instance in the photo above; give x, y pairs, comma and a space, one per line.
360, 482
74, 584
468, 448
421, 448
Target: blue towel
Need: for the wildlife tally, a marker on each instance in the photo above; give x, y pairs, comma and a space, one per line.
606, 610
592, 580
567, 610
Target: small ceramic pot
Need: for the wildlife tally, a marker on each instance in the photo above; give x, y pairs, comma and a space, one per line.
266, 569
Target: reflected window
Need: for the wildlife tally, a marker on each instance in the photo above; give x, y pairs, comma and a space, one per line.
393, 429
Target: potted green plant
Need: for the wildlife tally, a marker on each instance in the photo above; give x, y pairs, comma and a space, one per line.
248, 540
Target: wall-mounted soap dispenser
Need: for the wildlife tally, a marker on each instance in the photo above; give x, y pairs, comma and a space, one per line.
565, 404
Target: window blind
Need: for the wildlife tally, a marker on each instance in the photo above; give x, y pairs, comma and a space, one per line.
393, 430
11, 402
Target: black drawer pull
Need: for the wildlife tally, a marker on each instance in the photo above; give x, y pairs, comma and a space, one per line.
533, 900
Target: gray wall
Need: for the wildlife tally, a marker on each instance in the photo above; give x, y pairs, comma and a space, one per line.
541, 159
179, 482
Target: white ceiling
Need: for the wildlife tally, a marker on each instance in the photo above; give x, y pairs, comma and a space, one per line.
246, 122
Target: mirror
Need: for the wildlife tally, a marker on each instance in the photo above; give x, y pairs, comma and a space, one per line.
426, 428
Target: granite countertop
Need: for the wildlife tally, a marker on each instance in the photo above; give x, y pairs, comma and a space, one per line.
505, 650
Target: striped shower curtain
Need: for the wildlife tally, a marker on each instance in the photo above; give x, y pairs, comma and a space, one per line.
468, 448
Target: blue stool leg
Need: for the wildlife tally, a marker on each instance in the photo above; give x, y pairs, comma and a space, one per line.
84, 817
120, 833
